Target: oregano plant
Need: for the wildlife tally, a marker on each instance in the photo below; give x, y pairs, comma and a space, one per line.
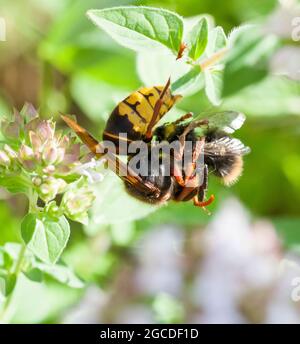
207, 59
48, 166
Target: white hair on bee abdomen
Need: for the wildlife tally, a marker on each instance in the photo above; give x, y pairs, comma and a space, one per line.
224, 158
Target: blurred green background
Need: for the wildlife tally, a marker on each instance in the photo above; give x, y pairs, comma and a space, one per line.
56, 59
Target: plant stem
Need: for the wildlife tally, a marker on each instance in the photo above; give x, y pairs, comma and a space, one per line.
20, 260
213, 59
33, 197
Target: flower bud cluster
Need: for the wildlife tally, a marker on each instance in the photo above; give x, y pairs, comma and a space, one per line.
50, 161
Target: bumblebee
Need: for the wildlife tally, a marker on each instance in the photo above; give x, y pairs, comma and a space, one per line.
223, 155
209, 137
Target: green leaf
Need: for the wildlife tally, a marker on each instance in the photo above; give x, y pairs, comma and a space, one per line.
197, 39
9, 255
13, 250
213, 86
2, 285
6, 261
217, 41
44, 236
189, 82
190, 22
139, 27
34, 274
156, 68
39, 302
122, 233
10, 283
61, 273
14, 183
236, 31
247, 62
112, 199
7, 284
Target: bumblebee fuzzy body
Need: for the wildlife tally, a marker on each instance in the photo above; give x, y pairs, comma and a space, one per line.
222, 154
133, 115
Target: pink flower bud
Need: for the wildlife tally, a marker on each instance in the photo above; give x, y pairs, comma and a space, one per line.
25, 152
10, 152
29, 111
35, 141
45, 189
4, 159
60, 155
50, 154
45, 130
37, 181
49, 169
29, 165
61, 185
64, 142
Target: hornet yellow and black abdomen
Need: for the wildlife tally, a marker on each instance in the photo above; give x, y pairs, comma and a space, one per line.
133, 115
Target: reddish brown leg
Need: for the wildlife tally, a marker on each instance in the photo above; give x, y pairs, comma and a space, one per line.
156, 110
203, 204
184, 117
199, 198
189, 128
192, 126
191, 178
178, 157
201, 190
177, 174
186, 191
191, 168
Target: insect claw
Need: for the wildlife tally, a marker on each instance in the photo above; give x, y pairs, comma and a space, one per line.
204, 204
